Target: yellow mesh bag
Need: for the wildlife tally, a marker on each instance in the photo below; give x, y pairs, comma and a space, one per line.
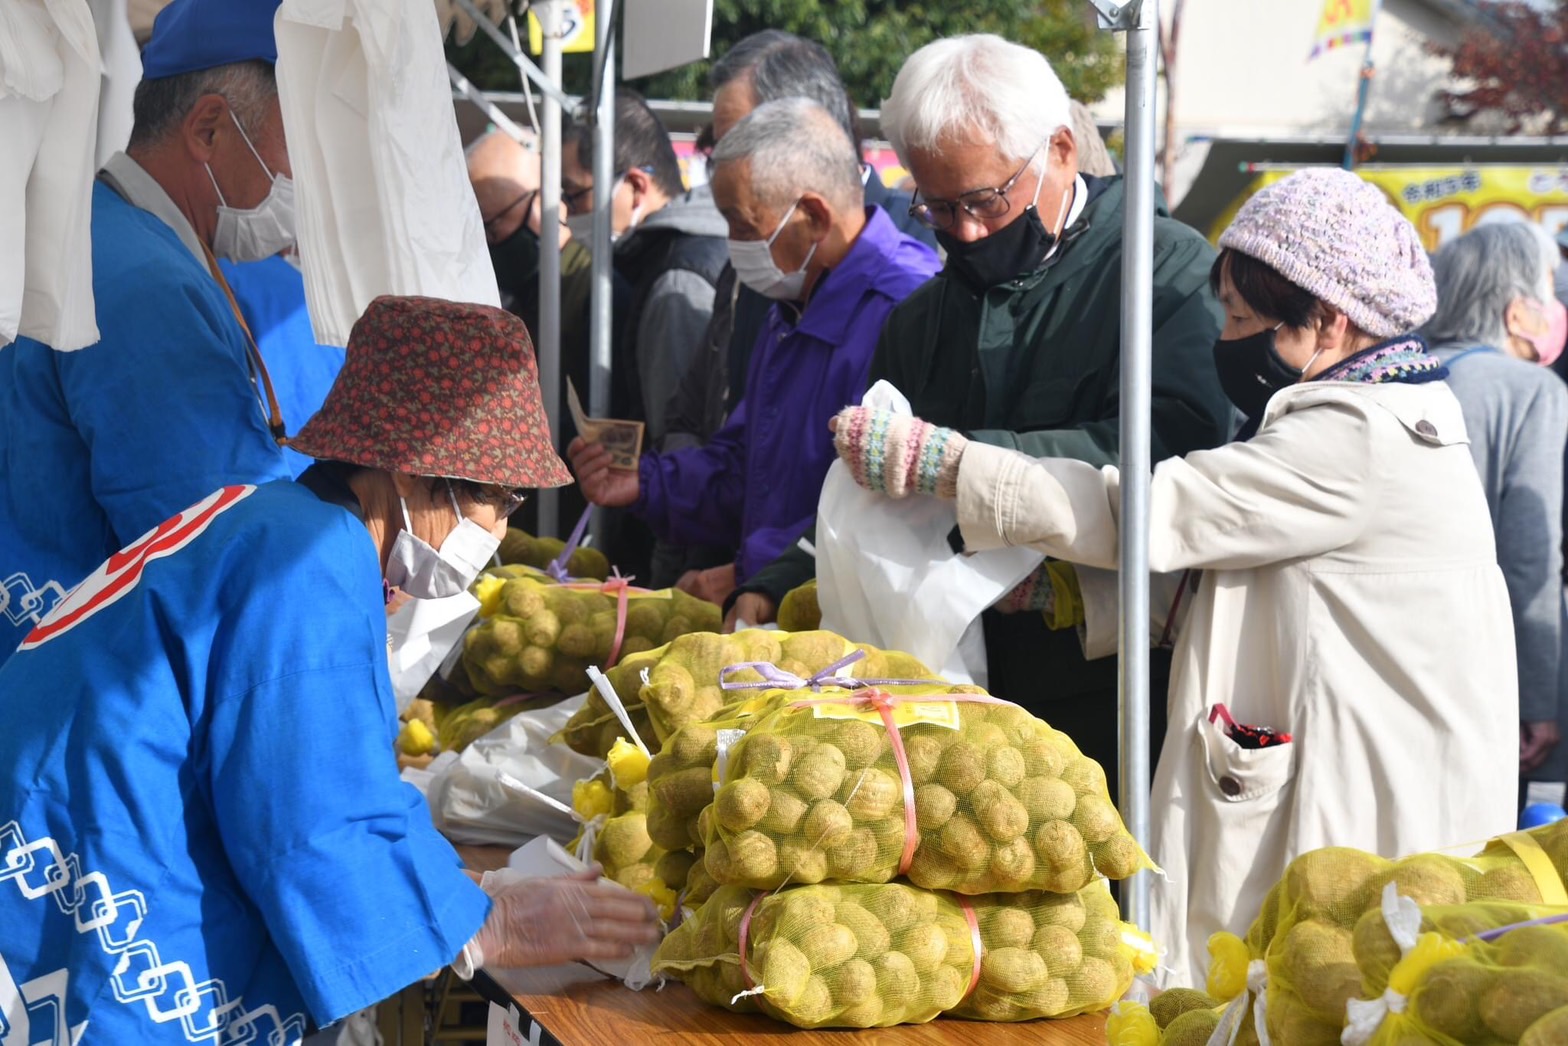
799, 610
1462, 975
1306, 928
541, 637
683, 682
681, 777
521, 547
459, 726
953, 789
877, 955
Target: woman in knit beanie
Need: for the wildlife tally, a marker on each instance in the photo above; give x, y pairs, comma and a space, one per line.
1344, 671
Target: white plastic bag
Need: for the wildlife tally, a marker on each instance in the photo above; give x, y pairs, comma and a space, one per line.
887, 576
384, 204
420, 635
512, 784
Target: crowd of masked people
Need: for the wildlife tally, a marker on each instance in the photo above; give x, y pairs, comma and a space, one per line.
1356, 516
987, 290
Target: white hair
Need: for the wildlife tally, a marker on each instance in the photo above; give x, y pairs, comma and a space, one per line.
975, 87
794, 145
1481, 273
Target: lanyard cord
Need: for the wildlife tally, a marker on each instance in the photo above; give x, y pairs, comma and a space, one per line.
258, 367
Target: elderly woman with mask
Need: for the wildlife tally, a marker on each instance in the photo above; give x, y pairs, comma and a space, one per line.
1344, 672
1498, 328
202, 830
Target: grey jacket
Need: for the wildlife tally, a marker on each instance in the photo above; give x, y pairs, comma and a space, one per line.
1517, 416
672, 261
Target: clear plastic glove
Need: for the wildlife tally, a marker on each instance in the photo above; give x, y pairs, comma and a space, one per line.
451, 13
545, 922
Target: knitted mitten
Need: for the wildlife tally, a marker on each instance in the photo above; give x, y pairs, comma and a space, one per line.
1032, 593
1053, 590
898, 455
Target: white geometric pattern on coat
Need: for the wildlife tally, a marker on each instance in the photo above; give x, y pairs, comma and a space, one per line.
167, 989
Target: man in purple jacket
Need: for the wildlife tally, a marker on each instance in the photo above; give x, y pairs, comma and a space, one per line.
787, 180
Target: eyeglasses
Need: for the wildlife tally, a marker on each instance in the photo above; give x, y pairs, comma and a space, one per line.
570, 199
983, 204
514, 501
504, 211
505, 500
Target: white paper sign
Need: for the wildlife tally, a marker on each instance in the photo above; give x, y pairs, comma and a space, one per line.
502, 1029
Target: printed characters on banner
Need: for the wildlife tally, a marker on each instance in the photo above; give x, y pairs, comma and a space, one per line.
1444, 203
577, 28
1342, 23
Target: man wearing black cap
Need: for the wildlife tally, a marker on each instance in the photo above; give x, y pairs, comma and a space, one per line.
100, 445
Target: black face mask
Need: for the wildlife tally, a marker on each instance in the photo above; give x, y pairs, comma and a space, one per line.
1251, 371
516, 260
1014, 250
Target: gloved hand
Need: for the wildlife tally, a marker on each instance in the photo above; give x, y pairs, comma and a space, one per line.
544, 922
896, 454
451, 13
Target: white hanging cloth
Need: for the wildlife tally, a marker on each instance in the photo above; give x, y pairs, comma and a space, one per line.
49, 80
122, 71
383, 200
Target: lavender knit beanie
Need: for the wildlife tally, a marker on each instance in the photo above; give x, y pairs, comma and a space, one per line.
1336, 236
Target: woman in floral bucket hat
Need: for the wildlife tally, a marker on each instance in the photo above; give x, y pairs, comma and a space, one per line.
1343, 670
199, 733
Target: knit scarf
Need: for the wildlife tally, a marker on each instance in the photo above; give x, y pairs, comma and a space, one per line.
1404, 359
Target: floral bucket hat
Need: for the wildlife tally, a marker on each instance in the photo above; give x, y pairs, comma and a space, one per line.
438, 388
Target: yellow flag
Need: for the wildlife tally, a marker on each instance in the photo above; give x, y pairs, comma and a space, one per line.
577, 28
1343, 22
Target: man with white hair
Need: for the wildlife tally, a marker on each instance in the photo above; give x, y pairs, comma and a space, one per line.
1017, 341
787, 180
99, 446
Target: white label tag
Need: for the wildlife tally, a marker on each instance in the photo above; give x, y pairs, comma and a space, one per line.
502, 1029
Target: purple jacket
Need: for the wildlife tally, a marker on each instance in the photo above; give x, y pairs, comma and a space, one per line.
755, 484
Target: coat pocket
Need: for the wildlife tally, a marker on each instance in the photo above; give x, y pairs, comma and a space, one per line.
1239, 775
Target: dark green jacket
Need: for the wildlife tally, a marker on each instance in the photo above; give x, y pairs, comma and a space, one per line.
1034, 365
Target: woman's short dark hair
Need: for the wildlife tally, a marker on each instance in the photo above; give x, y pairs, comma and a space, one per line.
1266, 292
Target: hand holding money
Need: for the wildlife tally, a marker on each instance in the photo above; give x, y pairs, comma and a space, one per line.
601, 481
622, 439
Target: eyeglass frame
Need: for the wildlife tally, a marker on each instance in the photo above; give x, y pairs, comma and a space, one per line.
504, 211
569, 199
511, 498
921, 211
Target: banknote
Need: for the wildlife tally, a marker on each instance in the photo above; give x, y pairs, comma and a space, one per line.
623, 439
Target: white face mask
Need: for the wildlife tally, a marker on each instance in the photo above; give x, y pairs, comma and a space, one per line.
581, 225
754, 265
263, 230
420, 571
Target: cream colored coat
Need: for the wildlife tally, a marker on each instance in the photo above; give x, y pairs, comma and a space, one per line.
1350, 595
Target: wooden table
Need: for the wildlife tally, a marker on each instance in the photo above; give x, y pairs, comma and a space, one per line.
572, 1010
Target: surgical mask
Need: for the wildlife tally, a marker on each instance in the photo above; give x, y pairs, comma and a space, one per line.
516, 260
421, 571
1251, 371
1548, 345
581, 225
263, 230
755, 267
1014, 250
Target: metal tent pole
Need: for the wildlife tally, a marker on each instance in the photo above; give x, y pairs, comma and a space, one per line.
600, 318
548, 344
1140, 20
